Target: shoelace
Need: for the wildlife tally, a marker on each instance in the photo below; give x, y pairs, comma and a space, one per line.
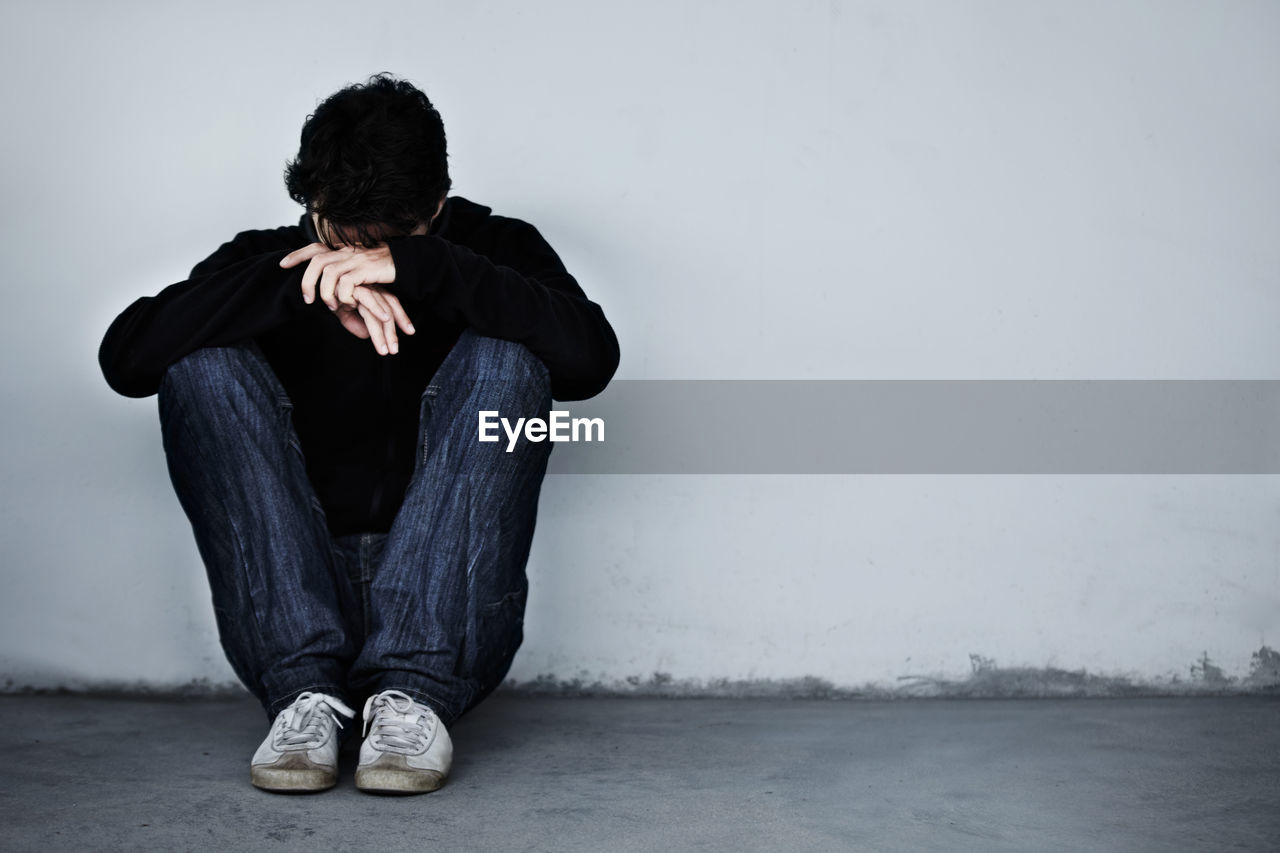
309, 721
397, 723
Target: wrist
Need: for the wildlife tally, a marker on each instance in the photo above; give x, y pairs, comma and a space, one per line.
411, 256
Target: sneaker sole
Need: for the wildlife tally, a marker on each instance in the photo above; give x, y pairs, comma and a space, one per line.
389, 776
293, 775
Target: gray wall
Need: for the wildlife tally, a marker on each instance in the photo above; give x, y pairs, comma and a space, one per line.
752, 190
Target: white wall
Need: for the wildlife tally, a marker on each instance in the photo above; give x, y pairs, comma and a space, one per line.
752, 190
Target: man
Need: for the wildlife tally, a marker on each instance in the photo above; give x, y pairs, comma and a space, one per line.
318, 387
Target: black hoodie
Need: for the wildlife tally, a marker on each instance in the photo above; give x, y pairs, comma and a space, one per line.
356, 412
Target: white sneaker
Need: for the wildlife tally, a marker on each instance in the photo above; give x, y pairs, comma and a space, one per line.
407, 749
301, 750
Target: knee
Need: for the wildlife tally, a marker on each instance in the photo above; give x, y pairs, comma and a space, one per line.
209, 368
202, 369
507, 363
211, 376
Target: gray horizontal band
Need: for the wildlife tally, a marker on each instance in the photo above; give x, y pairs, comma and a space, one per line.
929, 427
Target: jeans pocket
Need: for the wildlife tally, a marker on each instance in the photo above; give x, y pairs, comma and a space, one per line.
286, 423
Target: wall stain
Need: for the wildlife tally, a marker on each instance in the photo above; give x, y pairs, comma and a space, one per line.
197, 688
986, 680
1264, 669
1206, 671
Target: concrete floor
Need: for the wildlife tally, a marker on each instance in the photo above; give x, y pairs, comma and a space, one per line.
86, 773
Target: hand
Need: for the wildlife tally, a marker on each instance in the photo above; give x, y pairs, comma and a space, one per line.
348, 279
339, 272
376, 314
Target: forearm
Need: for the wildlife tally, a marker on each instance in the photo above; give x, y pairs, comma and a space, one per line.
542, 308
215, 308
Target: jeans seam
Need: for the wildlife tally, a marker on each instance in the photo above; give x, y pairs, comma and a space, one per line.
424, 405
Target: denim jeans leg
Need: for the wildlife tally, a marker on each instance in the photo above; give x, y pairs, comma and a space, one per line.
279, 596
447, 600
359, 555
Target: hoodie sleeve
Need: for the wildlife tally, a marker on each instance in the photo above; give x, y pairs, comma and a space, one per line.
520, 291
237, 293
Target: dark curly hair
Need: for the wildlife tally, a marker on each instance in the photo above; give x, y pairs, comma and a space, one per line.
372, 162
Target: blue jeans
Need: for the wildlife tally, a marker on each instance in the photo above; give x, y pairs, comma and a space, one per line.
434, 607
